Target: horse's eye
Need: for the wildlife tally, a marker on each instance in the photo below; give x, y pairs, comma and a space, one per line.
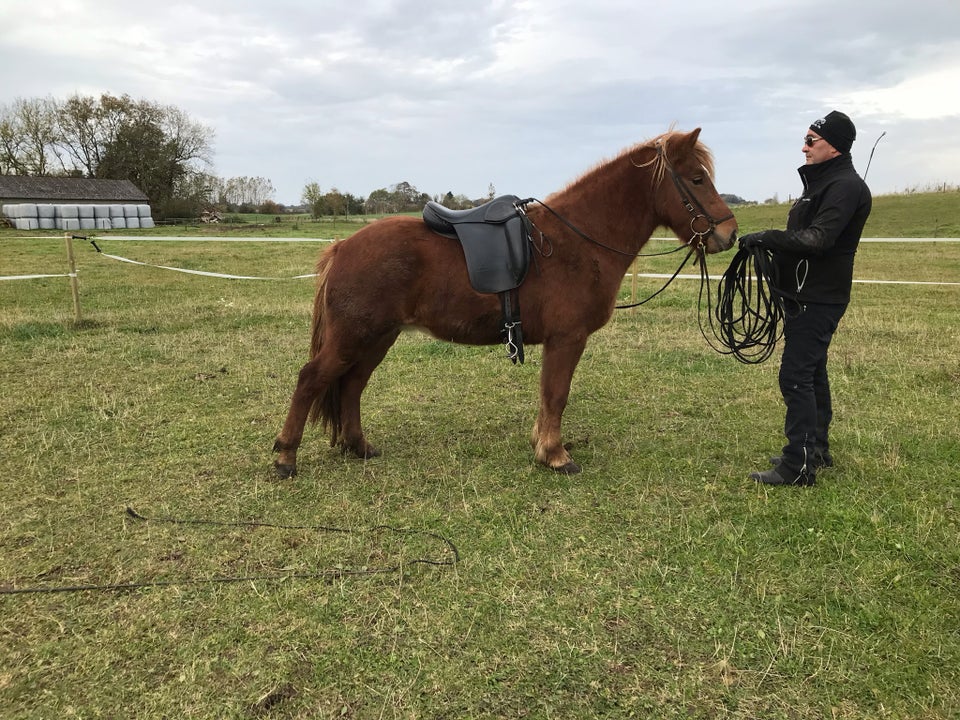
697, 179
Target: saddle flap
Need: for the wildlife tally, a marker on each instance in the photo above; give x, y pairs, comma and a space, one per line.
498, 256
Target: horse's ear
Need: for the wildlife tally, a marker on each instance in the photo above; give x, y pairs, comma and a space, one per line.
690, 141
686, 142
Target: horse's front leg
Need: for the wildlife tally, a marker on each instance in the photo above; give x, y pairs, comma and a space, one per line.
560, 359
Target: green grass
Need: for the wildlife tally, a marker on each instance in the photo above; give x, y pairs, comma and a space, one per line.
660, 583
927, 214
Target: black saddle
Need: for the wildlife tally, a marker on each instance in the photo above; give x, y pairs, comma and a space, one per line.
495, 238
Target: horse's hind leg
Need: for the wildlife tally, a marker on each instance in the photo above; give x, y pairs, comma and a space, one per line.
314, 379
352, 385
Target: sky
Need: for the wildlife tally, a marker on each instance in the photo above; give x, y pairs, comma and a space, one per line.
521, 95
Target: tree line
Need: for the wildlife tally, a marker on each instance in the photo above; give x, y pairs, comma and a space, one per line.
398, 198
167, 155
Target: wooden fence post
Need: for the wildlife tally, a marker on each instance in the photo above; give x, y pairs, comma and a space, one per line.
74, 282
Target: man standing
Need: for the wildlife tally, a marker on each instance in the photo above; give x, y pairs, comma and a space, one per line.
813, 259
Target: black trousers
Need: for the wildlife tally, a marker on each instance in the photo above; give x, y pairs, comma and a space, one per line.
804, 384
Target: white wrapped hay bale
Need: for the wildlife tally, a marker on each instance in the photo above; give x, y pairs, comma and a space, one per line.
87, 223
47, 223
85, 211
103, 223
67, 212
24, 223
130, 211
71, 223
133, 222
144, 211
118, 223
116, 211
101, 211
147, 222
46, 211
28, 210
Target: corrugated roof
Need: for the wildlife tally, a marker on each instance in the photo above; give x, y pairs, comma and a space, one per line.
21, 188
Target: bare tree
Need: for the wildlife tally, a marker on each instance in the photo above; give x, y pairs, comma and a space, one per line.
28, 137
83, 132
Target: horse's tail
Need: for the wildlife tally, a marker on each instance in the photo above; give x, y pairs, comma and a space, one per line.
326, 406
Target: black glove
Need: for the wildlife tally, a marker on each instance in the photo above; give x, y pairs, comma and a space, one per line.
752, 240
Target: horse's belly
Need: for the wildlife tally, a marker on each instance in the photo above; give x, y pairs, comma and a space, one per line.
483, 330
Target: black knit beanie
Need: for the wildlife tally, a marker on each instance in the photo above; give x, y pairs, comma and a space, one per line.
837, 129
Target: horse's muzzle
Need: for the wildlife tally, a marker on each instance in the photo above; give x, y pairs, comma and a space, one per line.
718, 242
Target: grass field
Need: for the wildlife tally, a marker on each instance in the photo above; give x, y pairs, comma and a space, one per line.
660, 583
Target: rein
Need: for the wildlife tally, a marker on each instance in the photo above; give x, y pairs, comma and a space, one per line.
584, 236
673, 277
692, 205
578, 231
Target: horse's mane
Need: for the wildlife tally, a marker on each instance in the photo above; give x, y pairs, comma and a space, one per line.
701, 153
659, 145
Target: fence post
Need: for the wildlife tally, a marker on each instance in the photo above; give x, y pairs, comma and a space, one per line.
74, 282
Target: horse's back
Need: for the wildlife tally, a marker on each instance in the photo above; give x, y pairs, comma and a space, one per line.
396, 272
396, 249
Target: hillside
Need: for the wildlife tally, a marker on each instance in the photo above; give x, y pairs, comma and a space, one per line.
933, 214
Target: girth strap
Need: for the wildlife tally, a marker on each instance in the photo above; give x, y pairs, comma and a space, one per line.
496, 243
511, 331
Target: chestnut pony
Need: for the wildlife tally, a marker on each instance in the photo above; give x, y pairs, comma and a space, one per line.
397, 273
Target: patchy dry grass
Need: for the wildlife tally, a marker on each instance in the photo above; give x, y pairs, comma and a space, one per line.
659, 583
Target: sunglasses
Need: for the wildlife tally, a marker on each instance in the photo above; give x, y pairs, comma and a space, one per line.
809, 140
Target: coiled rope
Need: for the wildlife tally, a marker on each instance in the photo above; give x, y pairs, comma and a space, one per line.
746, 321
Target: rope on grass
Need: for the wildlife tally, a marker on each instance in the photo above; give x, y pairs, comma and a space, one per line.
452, 557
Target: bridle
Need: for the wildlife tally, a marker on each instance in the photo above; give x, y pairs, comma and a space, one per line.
698, 217
698, 213
688, 198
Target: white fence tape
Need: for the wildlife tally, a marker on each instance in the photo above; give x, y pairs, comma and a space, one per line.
34, 277
226, 276
203, 272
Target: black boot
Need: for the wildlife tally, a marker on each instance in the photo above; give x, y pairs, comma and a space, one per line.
781, 475
821, 459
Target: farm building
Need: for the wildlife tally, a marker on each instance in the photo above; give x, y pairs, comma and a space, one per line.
68, 203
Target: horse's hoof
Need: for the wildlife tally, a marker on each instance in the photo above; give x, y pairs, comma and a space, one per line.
569, 468
284, 472
365, 453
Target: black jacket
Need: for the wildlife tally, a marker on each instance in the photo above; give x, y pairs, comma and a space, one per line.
814, 255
